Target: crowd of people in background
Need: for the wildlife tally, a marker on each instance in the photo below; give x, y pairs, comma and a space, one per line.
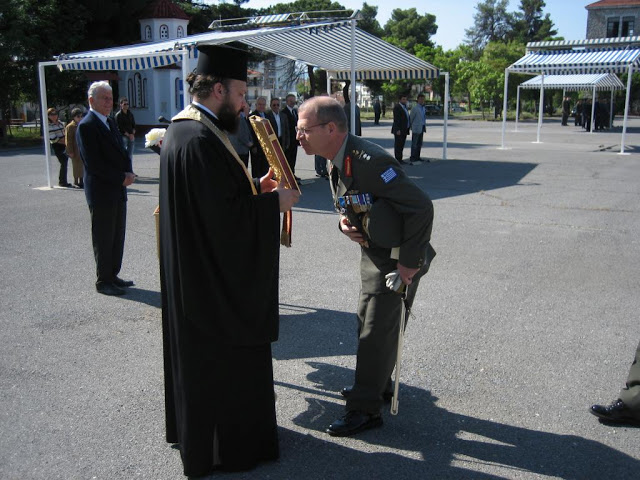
601, 113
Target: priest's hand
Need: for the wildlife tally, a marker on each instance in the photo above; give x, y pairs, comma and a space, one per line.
129, 178
287, 197
406, 273
350, 231
267, 183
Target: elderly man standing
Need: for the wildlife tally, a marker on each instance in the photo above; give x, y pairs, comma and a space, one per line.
219, 260
364, 178
259, 164
107, 174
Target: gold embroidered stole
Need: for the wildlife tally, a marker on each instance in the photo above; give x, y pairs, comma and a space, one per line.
192, 113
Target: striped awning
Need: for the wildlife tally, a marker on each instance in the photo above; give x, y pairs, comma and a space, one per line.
326, 45
599, 81
329, 47
578, 61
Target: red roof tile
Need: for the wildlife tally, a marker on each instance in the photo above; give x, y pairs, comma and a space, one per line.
164, 9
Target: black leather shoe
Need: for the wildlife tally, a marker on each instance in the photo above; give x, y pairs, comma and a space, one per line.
109, 289
386, 396
354, 422
617, 412
118, 282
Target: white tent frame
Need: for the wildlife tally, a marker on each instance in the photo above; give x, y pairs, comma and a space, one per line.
608, 55
328, 53
601, 82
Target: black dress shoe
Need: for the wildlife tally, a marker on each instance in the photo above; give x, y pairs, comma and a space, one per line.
109, 289
118, 282
387, 395
617, 412
354, 422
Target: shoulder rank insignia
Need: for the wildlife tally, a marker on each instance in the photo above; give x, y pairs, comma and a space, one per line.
388, 175
347, 167
361, 154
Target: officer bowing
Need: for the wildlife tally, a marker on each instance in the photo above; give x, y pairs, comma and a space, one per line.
391, 218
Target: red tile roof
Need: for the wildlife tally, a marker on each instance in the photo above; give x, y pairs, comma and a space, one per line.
613, 3
164, 9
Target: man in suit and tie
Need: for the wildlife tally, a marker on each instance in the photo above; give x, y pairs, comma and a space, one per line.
417, 118
259, 164
291, 112
279, 123
107, 173
400, 128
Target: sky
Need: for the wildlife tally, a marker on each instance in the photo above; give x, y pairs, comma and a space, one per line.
454, 16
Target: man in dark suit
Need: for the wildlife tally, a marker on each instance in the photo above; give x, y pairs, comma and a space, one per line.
291, 112
259, 164
107, 173
363, 178
279, 123
400, 128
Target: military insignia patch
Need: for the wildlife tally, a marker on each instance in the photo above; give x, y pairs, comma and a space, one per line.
388, 175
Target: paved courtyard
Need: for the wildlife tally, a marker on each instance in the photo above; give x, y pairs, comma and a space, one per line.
527, 317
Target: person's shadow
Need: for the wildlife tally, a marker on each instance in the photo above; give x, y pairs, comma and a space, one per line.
430, 442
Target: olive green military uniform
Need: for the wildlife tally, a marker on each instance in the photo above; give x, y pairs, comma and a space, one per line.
362, 167
630, 395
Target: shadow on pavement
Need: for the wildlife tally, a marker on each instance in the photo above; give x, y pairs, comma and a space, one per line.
440, 179
435, 443
310, 333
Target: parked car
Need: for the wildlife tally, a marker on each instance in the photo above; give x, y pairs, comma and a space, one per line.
431, 109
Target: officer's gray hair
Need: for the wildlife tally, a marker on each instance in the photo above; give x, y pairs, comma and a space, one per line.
97, 86
326, 109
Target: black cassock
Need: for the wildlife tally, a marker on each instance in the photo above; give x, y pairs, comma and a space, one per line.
219, 257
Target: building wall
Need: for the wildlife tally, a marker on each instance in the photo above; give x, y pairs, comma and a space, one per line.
597, 19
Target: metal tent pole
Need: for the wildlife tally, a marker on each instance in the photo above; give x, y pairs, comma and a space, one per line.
504, 105
45, 121
540, 107
593, 110
517, 109
626, 112
446, 115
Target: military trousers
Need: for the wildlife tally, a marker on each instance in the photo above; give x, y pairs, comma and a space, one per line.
630, 395
379, 314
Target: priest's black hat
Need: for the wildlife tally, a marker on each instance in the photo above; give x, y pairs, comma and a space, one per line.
222, 61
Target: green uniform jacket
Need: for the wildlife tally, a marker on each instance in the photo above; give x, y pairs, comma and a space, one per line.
376, 172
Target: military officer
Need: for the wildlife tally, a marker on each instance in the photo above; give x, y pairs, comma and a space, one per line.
626, 409
363, 178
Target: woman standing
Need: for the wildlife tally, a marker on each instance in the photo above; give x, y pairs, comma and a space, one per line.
72, 147
56, 138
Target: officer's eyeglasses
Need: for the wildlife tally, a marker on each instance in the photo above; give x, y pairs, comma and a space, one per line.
305, 130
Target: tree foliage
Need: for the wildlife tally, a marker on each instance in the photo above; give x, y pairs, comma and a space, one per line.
407, 29
491, 23
529, 25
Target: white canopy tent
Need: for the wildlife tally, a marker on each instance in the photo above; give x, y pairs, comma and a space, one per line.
336, 46
580, 82
604, 55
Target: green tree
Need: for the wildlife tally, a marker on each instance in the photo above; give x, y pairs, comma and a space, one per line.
529, 25
491, 23
407, 29
368, 23
484, 78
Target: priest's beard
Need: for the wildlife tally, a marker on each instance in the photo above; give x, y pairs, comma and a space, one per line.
228, 117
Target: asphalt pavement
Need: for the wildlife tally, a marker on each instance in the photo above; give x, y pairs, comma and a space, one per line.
527, 317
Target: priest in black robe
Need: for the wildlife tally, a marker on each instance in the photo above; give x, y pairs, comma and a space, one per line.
219, 257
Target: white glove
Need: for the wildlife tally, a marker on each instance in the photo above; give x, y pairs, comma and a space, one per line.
394, 281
